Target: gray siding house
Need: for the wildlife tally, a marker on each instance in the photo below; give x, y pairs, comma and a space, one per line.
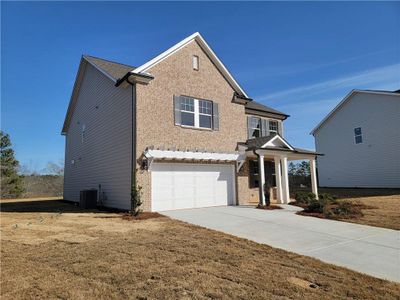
360, 139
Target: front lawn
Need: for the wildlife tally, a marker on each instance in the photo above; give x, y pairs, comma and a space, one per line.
52, 249
378, 207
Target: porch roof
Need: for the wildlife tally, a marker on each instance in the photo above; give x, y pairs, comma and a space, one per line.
275, 144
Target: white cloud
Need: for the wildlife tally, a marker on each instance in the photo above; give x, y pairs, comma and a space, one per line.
387, 77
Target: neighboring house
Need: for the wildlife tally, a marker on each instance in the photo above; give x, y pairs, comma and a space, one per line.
184, 123
360, 139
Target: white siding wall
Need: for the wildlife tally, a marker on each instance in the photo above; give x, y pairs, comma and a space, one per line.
104, 157
375, 162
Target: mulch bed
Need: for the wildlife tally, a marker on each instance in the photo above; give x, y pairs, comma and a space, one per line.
269, 207
141, 216
358, 207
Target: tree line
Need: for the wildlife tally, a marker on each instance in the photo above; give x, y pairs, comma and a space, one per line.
21, 181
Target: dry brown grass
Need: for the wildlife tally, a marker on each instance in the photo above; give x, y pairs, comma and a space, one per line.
380, 207
380, 211
51, 249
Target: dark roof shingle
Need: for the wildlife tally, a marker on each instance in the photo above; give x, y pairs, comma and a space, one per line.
261, 107
114, 69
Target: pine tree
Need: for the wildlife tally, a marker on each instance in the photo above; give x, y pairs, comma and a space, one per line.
11, 182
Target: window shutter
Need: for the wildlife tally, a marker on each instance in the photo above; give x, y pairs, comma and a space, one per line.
280, 128
264, 127
249, 131
215, 116
177, 110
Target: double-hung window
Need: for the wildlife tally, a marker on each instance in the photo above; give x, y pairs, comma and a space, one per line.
273, 126
255, 127
258, 127
196, 113
358, 135
187, 111
205, 113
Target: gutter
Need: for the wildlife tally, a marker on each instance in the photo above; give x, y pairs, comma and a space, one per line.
138, 77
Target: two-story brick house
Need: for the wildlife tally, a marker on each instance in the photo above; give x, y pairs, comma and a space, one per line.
183, 123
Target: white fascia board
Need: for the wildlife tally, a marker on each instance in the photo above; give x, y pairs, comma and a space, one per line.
190, 155
345, 99
195, 36
143, 68
270, 144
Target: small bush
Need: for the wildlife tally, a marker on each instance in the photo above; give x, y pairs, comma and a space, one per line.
315, 206
327, 206
345, 209
304, 197
327, 198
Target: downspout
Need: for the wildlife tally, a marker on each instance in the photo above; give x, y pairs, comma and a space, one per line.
133, 144
260, 188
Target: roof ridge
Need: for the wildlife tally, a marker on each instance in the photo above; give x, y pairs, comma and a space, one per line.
107, 60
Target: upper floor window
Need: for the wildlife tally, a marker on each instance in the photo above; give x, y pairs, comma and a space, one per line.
195, 62
258, 127
205, 113
273, 126
358, 135
187, 111
255, 127
196, 113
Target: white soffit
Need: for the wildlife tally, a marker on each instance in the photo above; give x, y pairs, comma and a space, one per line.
270, 143
190, 155
203, 44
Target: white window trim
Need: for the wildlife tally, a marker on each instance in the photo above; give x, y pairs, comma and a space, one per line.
197, 114
277, 126
255, 128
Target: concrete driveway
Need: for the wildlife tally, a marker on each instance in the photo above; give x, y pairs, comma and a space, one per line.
371, 250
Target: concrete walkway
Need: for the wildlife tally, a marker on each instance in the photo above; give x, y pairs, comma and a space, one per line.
371, 250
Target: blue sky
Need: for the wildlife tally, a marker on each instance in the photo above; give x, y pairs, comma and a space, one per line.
301, 58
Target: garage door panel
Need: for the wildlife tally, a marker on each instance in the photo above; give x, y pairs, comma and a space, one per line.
178, 186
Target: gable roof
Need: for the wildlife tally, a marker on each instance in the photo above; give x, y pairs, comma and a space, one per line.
346, 99
112, 68
206, 48
266, 142
254, 105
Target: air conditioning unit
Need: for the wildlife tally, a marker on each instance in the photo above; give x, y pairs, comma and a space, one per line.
88, 199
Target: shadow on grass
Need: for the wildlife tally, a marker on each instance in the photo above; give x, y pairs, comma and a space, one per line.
47, 206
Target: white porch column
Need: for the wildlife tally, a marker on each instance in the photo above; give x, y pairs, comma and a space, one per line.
278, 178
261, 179
285, 180
313, 171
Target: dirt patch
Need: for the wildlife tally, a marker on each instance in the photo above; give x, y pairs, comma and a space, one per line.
303, 283
159, 258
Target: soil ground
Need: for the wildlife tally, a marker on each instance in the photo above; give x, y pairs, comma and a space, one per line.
53, 249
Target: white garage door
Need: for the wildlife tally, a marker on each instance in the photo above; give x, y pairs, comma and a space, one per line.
177, 186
